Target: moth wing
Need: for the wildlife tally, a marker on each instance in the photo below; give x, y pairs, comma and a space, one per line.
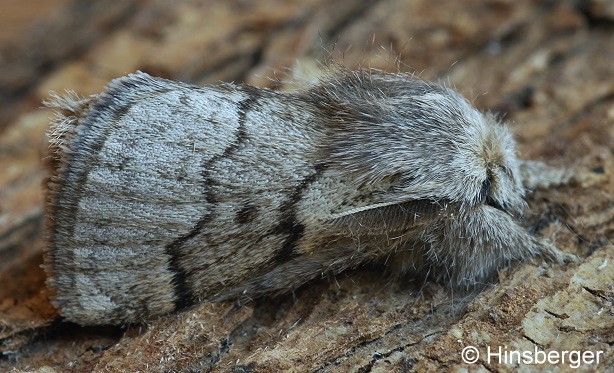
389, 217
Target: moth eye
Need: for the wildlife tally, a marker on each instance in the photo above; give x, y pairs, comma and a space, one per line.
508, 172
485, 190
485, 195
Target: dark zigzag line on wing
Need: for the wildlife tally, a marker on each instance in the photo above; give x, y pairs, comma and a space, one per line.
184, 296
289, 224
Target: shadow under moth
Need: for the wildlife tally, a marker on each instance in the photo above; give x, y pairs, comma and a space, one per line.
165, 194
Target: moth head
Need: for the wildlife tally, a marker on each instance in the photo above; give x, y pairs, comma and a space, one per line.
474, 154
424, 141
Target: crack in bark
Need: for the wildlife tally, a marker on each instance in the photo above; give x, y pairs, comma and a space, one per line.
532, 341
379, 356
597, 293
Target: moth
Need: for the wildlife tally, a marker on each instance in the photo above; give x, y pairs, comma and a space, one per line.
165, 194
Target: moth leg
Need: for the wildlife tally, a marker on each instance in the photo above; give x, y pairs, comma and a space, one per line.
470, 248
537, 174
